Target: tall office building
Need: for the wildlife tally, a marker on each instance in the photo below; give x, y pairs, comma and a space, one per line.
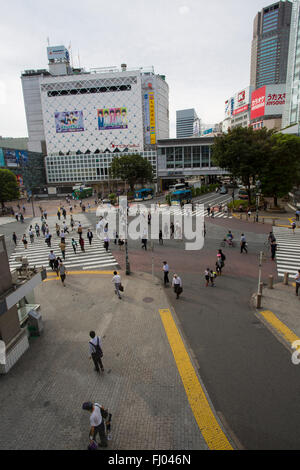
185, 119
270, 45
291, 114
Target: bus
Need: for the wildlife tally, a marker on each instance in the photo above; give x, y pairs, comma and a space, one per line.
183, 196
82, 193
143, 194
178, 187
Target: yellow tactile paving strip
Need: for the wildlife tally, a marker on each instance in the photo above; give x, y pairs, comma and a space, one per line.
287, 334
53, 276
208, 425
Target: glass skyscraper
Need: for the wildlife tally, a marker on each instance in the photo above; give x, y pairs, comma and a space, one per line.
270, 45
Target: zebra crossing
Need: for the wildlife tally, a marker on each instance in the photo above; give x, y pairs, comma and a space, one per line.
288, 250
95, 256
176, 210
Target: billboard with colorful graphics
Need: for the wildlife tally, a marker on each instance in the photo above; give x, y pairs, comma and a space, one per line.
268, 100
152, 118
69, 121
112, 118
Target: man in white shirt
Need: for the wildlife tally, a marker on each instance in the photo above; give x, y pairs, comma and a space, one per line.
52, 258
96, 422
95, 348
117, 281
177, 284
166, 273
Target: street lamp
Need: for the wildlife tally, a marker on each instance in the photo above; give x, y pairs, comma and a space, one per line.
257, 197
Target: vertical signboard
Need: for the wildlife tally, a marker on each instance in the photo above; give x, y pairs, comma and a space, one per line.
147, 119
152, 118
258, 101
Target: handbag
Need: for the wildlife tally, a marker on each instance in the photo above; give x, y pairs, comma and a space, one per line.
121, 288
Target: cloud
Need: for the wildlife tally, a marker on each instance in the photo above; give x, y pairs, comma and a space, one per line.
184, 10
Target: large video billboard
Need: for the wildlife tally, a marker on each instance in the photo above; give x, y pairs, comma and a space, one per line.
69, 121
112, 118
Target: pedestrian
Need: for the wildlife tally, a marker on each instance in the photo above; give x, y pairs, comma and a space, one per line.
90, 236
97, 423
43, 229
271, 238
48, 237
72, 223
243, 244
96, 352
116, 237
117, 281
208, 211
223, 257
23, 208
207, 276
273, 249
57, 229
14, 237
149, 218
212, 212
177, 285
62, 235
62, 246
62, 272
65, 227
106, 242
121, 243
17, 217
70, 208
81, 243
56, 263
58, 214
166, 273
297, 278
45, 215
24, 240
31, 235
21, 218
64, 213
293, 227
212, 277
172, 228
297, 215
37, 229
249, 213
52, 258
79, 230
160, 237
218, 267
144, 242
74, 245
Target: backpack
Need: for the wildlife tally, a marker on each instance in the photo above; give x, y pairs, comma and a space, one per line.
223, 257
99, 352
104, 412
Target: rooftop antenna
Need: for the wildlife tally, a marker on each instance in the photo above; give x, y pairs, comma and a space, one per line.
48, 41
78, 59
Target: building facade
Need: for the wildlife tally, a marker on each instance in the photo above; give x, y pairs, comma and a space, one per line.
267, 106
237, 109
185, 123
270, 44
291, 114
85, 116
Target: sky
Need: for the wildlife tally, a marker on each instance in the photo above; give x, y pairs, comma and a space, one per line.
202, 46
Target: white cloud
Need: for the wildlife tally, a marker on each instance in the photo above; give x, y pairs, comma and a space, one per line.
184, 10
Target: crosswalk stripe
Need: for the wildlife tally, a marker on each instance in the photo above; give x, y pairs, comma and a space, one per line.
288, 251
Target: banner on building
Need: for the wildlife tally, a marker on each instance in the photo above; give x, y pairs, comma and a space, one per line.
69, 121
258, 102
268, 100
152, 118
2, 161
11, 158
147, 119
112, 118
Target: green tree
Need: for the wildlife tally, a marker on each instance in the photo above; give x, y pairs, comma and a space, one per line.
9, 188
131, 168
282, 166
242, 152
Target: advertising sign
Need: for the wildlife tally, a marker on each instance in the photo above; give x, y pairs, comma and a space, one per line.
258, 101
242, 101
147, 119
2, 161
57, 53
229, 107
112, 118
152, 118
22, 157
11, 158
69, 121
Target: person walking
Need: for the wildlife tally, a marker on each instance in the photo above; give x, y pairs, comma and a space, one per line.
48, 237
219, 265
37, 229
62, 272
64, 213
58, 214
62, 235
172, 228
212, 277
177, 285
293, 227
96, 422
74, 245
21, 218
297, 279
43, 229
90, 236
166, 273
14, 237
96, 352
207, 276
24, 240
273, 249
17, 217
79, 230
56, 264
106, 242
223, 258
62, 246
52, 258
297, 215
160, 238
81, 243
31, 235
117, 282
208, 211
65, 227
45, 214
72, 223
243, 244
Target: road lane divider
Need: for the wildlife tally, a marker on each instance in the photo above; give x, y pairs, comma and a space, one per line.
208, 424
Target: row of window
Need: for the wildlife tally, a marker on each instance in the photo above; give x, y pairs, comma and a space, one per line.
84, 91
